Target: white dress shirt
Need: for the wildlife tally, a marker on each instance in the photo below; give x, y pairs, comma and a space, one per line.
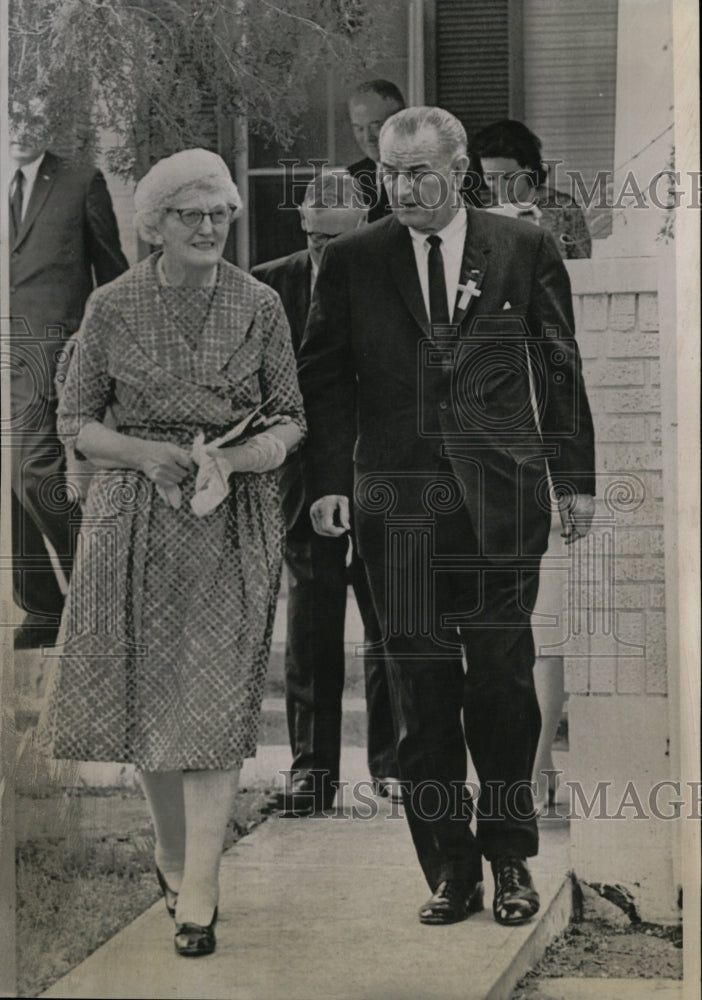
453, 238
30, 171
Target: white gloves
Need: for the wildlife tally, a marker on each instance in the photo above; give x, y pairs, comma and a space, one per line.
212, 482
259, 454
170, 494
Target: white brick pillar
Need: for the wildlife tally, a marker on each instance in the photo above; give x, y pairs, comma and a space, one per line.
615, 654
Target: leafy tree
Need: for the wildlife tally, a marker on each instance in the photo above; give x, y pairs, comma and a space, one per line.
158, 73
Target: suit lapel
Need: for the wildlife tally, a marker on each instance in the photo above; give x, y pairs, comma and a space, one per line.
43, 183
403, 268
473, 267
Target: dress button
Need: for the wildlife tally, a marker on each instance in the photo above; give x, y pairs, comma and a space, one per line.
443, 405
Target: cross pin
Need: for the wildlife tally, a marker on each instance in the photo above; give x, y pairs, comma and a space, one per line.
469, 290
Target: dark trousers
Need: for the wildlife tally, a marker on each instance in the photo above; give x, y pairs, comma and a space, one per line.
314, 658
466, 681
41, 506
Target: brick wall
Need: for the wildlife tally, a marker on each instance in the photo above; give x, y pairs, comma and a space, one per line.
617, 580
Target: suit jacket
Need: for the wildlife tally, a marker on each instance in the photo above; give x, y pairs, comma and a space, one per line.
365, 172
67, 244
290, 277
387, 394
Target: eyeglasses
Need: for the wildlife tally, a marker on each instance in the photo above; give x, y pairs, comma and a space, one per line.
192, 217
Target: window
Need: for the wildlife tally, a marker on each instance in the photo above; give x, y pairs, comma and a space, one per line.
325, 134
548, 63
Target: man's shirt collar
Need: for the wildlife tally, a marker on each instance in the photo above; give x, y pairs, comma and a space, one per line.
455, 229
30, 171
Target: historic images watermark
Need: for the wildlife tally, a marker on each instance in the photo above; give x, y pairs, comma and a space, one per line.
664, 800
606, 190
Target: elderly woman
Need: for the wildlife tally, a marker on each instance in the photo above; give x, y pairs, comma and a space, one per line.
507, 156
167, 627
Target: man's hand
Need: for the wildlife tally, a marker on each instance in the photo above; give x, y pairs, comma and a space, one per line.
330, 515
577, 511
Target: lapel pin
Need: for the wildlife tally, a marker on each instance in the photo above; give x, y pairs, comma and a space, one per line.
468, 290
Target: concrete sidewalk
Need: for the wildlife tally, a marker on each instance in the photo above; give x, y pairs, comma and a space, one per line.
326, 909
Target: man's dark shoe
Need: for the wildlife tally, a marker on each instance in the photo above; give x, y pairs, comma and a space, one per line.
308, 795
454, 900
35, 632
516, 899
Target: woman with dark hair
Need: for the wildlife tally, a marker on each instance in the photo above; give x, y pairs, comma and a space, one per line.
507, 156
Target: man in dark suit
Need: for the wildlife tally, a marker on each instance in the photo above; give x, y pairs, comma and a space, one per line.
370, 104
64, 240
317, 571
415, 376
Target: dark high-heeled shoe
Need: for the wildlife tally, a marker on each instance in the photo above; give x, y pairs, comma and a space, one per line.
193, 940
170, 896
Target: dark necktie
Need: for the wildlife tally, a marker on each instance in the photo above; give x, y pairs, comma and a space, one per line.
16, 200
438, 301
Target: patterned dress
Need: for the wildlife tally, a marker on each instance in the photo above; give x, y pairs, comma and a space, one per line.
555, 211
564, 219
167, 625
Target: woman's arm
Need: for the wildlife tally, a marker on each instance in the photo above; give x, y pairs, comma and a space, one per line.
163, 462
289, 433
278, 374
263, 452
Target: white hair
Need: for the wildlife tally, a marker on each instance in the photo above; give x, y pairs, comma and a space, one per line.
410, 121
197, 170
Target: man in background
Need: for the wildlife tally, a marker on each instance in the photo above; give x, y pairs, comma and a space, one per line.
370, 104
317, 572
64, 241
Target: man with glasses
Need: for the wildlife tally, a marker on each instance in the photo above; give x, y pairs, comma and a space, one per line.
317, 571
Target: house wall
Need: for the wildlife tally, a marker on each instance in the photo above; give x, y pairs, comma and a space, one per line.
616, 665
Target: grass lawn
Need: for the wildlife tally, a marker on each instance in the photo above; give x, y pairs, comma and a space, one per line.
84, 868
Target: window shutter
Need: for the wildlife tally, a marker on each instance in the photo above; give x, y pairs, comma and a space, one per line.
472, 60
570, 62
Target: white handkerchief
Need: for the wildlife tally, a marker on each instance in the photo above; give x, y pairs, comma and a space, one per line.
212, 481
507, 305
171, 495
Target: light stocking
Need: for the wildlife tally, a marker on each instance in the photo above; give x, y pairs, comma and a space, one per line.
549, 684
208, 798
164, 795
